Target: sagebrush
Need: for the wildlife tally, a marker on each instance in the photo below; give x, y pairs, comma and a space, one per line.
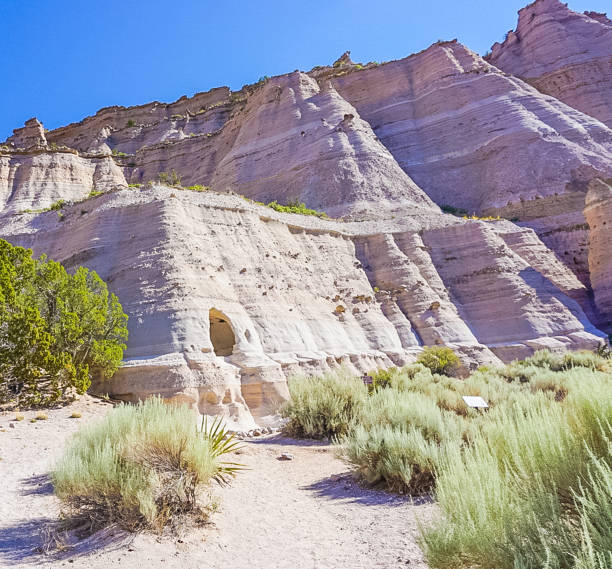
140, 468
525, 485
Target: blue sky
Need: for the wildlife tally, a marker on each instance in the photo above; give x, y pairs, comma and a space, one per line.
62, 60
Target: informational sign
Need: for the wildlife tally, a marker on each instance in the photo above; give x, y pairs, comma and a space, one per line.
475, 402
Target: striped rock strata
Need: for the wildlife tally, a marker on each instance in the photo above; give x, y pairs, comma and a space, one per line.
226, 298
563, 54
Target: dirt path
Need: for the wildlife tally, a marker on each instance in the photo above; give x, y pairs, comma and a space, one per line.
306, 513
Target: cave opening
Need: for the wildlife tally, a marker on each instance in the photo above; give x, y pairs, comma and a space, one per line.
221, 333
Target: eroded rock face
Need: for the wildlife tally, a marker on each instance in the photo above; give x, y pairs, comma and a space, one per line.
127, 129
35, 179
296, 140
473, 137
563, 54
31, 135
299, 293
598, 212
228, 298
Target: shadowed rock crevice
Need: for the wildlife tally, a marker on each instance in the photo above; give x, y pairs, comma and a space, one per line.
221, 333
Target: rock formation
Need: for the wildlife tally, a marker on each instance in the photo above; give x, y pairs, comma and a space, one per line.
31, 135
563, 54
299, 294
598, 213
227, 297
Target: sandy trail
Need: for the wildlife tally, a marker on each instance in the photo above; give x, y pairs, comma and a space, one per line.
300, 514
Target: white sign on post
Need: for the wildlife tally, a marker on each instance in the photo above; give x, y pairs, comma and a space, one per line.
475, 402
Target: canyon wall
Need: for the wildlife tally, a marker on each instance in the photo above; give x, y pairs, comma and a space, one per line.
300, 294
563, 54
227, 298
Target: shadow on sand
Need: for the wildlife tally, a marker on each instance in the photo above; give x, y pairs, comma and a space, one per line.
35, 541
40, 485
286, 441
345, 487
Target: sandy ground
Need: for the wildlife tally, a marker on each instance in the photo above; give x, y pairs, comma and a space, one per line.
299, 514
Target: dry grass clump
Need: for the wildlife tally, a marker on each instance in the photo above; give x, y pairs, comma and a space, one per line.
534, 488
141, 467
323, 406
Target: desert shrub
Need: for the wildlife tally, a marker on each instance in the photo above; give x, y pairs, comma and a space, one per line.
381, 378
170, 179
439, 359
533, 487
58, 205
453, 210
400, 459
568, 360
296, 207
55, 328
323, 406
141, 467
396, 440
198, 188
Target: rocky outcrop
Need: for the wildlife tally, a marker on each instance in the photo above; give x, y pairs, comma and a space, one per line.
297, 140
301, 295
563, 54
598, 213
473, 137
126, 129
31, 135
34, 180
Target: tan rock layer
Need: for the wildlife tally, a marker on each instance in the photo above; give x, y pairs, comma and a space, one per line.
598, 212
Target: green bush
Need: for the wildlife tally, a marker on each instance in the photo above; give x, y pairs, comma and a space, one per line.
439, 359
141, 467
401, 460
198, 188
296, 207
524, 485
323, 406
533, 489
58, 205
55, 329
382, 378
169, 179
396, 440
453, 210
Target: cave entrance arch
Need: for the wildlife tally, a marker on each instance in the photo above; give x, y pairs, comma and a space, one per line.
221, 333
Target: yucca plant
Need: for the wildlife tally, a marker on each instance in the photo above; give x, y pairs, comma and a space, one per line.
221, 442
